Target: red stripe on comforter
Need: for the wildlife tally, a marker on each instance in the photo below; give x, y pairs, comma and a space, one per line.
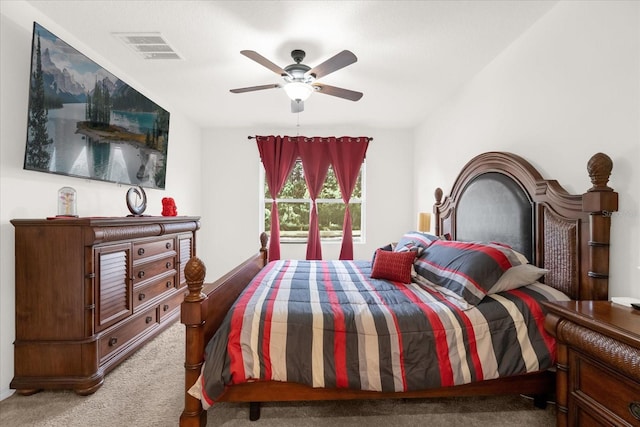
340, 336
539, 316
472, 345
440, 336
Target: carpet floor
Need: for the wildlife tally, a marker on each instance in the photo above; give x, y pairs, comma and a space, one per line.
146, 391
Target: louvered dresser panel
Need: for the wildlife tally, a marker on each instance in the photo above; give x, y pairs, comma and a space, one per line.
114, 290
185, 251
91, 291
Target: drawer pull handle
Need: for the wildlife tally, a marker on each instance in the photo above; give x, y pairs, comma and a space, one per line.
634, 408
165, 307
168, 264
148, 319
168, 245
141, 251
113, 341
141, 297
169, 284
140, 274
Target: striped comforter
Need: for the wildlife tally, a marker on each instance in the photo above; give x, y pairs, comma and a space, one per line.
329, 324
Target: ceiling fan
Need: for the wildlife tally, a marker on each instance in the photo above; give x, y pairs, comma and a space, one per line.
300, 79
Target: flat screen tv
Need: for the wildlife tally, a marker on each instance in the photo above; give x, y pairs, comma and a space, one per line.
87, 123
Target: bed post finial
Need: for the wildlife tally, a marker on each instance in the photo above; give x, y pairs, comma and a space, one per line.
599, 168
195, 272
438, 195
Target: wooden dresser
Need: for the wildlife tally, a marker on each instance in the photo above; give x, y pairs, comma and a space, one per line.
91, 291
598, 371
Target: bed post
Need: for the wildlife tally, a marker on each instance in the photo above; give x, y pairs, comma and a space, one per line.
193, 318
264, 239
201, 323
436, 211
600, 201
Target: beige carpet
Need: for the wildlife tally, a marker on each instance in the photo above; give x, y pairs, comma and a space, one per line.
146, 390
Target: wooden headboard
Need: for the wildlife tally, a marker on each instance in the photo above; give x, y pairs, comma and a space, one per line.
501, 197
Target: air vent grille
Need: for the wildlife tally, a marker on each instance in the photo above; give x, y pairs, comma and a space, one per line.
148, 45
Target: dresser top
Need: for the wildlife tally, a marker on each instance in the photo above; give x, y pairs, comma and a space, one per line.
97, 230
103, 221
606, 317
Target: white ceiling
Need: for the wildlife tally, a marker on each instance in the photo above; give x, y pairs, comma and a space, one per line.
412, 55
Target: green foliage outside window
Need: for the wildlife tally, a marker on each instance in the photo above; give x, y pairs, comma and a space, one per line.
294, 206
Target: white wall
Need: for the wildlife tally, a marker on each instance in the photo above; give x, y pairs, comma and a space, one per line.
28, 194
232, 209
566, 89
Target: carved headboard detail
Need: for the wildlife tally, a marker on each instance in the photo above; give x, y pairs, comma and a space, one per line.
500, 196
562, 264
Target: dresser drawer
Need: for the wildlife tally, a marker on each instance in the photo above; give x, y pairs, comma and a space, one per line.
595, 383
171, 304
147, 271
149, 249
120, 336
586, 419
148, 292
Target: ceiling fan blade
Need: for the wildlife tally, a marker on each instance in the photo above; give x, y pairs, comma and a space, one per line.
264, 62
297, 106
351, 95
252, 88
332, 64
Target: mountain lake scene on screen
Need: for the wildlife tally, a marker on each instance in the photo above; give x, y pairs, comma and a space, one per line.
85, 122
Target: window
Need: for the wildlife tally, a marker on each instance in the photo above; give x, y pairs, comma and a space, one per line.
294, 206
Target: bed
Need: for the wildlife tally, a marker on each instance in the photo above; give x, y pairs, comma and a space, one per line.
498, 199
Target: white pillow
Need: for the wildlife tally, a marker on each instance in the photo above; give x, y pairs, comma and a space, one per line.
517, 276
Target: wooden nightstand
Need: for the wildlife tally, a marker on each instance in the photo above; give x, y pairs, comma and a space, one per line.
598, 368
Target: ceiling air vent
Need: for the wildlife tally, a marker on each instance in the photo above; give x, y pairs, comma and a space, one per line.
148, 45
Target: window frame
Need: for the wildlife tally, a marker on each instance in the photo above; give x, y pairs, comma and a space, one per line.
262, 201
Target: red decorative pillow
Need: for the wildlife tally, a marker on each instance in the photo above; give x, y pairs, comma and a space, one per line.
394, 266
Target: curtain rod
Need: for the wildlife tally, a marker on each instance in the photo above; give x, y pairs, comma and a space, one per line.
253, 137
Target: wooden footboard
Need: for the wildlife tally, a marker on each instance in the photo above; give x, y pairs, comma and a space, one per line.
202, 312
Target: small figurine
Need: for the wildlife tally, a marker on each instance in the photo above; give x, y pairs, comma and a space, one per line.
169, 207
67, 202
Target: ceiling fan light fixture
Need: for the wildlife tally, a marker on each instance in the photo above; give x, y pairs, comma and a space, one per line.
300, 79
298, 91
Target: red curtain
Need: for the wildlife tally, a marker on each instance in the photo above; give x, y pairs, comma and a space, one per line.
315, 162
347, 155
278, 155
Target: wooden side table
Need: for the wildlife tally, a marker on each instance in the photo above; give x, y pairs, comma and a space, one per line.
598, 366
